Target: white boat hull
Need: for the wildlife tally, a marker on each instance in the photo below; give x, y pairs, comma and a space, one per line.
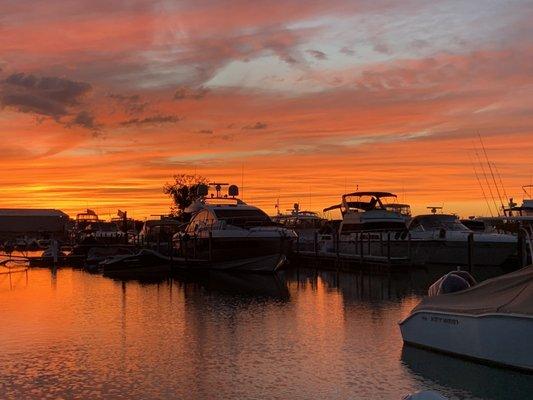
502, 339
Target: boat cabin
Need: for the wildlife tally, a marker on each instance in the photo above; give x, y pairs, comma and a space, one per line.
432, 222
367, 212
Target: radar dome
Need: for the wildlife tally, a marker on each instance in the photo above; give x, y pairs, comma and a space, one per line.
233, 190
202, 190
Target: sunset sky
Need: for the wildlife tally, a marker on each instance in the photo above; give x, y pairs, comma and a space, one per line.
101, 102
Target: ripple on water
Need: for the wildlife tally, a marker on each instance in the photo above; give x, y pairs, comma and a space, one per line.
298, 336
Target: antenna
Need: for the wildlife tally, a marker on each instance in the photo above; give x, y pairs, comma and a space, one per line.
492, 173
434, 209
481, 186
486, 180
501, 182
218, 187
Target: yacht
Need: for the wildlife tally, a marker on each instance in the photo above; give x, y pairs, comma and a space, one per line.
232, 235
308, 225
404, 210
443, 239
490, 322
367, 212
526, 209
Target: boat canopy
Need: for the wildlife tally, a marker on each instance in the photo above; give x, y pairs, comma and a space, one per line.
507, 294
373, 194
373, 202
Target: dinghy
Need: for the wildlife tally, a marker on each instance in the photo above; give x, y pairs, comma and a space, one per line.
491, 322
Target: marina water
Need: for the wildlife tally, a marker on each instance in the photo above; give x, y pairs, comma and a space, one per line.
302, 334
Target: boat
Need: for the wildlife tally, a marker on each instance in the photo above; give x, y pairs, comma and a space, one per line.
308, 225
490, 322
144, 258
403, 210
443, 239
367, 212
526, 209
232, 235
365, 217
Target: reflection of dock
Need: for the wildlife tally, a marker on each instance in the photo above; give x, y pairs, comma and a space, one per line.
361, 261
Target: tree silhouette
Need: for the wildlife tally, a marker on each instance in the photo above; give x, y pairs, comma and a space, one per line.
183, 191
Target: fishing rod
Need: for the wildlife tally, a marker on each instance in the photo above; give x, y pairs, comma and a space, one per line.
491, 172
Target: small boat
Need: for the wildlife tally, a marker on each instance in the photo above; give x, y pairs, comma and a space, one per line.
491, 322
232, 235
145, 258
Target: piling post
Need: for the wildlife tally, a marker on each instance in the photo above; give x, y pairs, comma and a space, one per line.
360, 239
388, 249
337, 245
470, 251
211, 245
409, 247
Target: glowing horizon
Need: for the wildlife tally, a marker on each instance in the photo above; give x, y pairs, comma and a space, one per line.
100, 104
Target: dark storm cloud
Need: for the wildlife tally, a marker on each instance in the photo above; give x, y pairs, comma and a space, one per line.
49, 96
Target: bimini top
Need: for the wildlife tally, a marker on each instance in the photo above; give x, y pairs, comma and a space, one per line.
373, 203
373, 194
507, 294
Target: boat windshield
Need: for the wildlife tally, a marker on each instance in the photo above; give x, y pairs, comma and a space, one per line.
243, 218
434, 222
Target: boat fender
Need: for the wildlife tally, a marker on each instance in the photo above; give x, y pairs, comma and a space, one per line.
442, 233
466, 276
449, 283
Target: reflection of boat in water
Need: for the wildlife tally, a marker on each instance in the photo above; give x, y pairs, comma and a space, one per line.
469, 378
232, 235
490, 322
230, 283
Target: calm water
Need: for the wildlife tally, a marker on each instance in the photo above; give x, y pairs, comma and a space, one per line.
302, 335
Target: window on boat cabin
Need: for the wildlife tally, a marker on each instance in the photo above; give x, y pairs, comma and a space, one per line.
372, 226
204, 219
447, 222
243, 218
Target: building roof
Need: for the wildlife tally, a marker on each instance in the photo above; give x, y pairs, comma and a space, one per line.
31, 212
